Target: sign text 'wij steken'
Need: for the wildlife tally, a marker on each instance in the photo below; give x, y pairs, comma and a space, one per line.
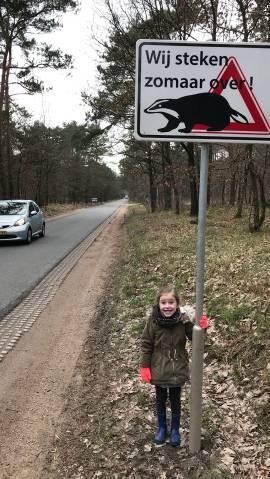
213, 92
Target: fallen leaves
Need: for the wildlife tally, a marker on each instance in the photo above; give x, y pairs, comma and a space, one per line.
147, 448
116, 442
242, 447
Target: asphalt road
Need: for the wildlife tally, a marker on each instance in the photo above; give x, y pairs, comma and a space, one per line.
23, 266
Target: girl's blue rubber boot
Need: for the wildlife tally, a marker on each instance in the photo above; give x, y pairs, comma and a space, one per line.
161, 433
175, 438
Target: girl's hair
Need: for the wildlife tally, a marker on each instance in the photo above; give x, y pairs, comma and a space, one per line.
169, 290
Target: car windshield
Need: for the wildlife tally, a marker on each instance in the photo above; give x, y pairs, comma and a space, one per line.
12, 208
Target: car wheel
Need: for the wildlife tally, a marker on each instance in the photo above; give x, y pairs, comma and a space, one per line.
42, 233
29, 236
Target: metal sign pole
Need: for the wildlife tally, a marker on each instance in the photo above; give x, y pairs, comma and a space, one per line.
198, 333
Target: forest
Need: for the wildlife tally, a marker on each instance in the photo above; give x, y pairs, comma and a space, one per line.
164, 176
64, 164
50, 165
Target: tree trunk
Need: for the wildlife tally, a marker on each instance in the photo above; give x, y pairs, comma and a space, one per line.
3, 184
166, 177
263, 201
194, 204
46, 199
152, 187
177, 201
8, 148
18, 177
171, 178
232, 189
243, 183
9, 154
6, 181
258, 207
223, 191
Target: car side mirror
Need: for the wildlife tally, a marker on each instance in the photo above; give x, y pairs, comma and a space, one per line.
33, 213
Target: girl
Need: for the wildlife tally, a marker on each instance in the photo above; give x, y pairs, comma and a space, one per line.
164, 359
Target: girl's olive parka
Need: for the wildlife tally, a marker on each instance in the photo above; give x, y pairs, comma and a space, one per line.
163, 348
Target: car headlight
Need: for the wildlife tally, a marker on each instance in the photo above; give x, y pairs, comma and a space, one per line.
20, 222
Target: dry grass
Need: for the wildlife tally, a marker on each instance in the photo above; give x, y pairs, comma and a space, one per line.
55, 209
160, 249
110, 423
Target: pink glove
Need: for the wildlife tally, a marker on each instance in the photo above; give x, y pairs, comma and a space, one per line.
204, 323
146, 374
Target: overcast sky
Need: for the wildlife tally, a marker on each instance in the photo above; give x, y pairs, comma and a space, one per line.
63, 103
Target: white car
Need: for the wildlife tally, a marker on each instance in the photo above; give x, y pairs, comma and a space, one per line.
20, 220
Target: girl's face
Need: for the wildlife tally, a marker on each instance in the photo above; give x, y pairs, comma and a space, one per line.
167, 305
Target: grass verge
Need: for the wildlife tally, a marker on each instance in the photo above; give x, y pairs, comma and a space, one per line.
160, 249
54, 209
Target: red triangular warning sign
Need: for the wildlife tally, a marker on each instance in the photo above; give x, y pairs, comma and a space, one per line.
232, 71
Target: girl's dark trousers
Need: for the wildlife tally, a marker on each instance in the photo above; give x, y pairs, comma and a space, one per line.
161, 399
174, 397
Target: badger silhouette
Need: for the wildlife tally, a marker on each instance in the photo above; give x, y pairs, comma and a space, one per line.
208, 109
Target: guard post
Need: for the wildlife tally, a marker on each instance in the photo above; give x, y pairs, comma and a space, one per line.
198, 333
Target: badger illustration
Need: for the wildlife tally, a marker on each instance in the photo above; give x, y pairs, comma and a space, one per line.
208, 109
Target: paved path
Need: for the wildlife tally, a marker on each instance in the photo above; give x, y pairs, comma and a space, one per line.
23, 266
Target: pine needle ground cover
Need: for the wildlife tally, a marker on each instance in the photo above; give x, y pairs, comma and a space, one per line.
109, 422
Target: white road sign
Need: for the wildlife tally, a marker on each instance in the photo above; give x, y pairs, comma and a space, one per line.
206, 92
